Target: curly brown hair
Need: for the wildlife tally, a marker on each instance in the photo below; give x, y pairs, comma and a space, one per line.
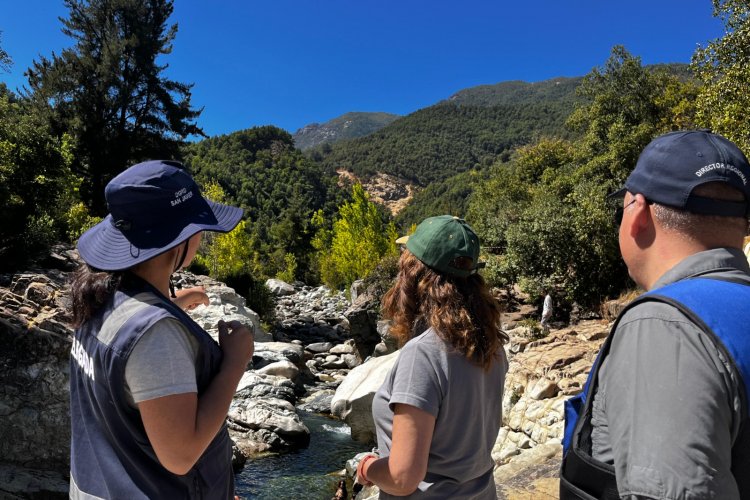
461, 310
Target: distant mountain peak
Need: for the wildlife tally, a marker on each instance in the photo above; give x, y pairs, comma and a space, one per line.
347, 126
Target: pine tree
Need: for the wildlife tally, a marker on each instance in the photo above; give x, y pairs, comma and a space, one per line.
108, 90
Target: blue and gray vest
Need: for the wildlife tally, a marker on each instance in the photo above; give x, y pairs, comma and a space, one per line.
721, 309
110, 455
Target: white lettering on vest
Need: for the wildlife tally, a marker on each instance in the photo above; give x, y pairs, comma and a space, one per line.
85, 362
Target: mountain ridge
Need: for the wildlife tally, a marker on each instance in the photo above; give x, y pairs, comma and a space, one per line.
347, 126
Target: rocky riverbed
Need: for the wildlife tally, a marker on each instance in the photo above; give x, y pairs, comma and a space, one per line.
324, 355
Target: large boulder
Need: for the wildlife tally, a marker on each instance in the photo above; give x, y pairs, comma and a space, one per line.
363, 317
275, 416
352, 402
34, 378
225, 304
271, 352
279, 288
34, 372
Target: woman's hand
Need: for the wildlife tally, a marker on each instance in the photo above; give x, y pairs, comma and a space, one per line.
181, 426
238, 344
189, 298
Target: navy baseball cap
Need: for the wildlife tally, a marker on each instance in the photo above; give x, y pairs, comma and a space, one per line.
674, 164
154, 206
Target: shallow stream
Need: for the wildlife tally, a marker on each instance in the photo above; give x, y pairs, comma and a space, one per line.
305, 473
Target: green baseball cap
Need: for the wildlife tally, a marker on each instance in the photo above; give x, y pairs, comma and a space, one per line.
439, 240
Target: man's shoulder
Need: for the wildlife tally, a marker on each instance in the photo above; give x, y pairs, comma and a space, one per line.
650, 310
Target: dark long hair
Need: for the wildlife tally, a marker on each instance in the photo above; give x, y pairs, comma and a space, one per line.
90, 290
461, 310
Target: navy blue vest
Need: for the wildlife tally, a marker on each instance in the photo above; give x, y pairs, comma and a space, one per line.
722, 310
110, 455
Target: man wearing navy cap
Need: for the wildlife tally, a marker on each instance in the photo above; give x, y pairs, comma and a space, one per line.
665, 411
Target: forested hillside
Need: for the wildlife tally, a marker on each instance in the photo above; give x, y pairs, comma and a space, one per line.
518, 93
346, 126
451, 194
469, 130
279, 188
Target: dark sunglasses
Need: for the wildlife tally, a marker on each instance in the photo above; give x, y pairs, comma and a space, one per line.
619, 211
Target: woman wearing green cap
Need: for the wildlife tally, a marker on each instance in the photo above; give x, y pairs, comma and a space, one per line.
149, 388
439, 410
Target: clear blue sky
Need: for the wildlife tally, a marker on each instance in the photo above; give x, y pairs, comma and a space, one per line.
291, 63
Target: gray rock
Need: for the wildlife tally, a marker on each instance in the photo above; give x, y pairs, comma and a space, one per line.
357, 288
279, 288
277, 351
256, 385
318, 402
319, 347
351, 360
362, 316
275, 415
284, 368
345, 348
225, 304
22, 482
352, 402
334, 363
34, 376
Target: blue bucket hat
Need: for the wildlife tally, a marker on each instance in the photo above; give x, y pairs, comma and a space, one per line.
671, 166
154, 206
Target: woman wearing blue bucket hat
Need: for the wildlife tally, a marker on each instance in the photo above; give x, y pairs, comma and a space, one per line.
149, 388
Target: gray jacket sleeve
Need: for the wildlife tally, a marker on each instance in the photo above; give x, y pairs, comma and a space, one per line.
671, 407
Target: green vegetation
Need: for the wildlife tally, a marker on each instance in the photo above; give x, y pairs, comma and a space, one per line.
108, 91
5, 61
449, 196
527, 164
36, 183
357, 242
722, 65
260, 170
438, 142
536, 332
544, 213
518, 93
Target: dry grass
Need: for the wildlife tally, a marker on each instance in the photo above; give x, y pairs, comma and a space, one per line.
609, 309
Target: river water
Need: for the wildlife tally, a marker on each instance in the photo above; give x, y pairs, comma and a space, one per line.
305, 473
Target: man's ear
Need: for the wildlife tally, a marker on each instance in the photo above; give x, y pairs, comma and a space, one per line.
641, 219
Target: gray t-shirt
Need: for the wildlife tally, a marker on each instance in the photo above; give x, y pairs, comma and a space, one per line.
668, 407
162, 363
467, 403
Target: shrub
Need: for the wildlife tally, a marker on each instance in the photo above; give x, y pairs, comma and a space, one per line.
79, 220
536, 332
259, 298
383, 276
